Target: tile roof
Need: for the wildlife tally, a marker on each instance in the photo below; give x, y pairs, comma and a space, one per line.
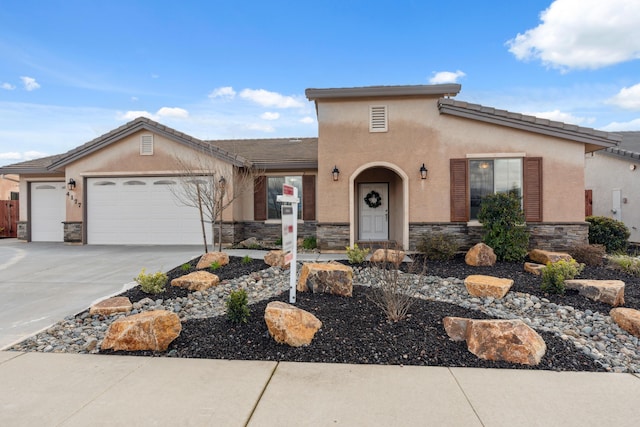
275, 153
595, 139
629, 147
35, 166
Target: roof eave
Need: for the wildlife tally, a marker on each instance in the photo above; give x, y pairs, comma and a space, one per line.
383, 91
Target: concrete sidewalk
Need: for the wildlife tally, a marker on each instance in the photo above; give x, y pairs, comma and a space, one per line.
38, 389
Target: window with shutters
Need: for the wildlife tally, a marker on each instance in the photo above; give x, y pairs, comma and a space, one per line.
267, 189
472, 179
378, 121
146, 145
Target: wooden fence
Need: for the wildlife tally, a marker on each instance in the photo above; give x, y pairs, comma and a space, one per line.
9, 218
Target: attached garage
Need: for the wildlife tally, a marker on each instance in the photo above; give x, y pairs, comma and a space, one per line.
140, 210
48, 211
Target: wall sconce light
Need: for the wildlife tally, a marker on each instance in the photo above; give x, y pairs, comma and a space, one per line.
335, 172
222, 182
71, 185
423, 172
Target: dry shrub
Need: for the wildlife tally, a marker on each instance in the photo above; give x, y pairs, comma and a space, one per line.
589, 254
393, 292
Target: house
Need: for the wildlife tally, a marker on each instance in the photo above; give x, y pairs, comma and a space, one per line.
390, 164
9, 188
8, 205
612, 179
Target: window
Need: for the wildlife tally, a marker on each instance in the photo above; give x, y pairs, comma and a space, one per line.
274, 188
473, 178
146, 145
15, 195
378, 118
490, 176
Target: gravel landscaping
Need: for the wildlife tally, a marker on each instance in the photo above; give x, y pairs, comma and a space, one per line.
579, 333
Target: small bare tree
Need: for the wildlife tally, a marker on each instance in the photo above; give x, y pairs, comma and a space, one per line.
393, 292
211, 185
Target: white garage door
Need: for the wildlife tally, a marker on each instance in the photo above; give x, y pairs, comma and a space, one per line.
136, 210
48, 206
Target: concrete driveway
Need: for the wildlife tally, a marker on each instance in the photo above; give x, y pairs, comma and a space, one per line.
41, 283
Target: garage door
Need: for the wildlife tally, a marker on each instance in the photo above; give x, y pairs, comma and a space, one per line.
48, 204
137, 210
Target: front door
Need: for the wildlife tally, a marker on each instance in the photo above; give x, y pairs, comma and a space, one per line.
374, 211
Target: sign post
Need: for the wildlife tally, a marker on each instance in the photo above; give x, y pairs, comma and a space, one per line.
289, 210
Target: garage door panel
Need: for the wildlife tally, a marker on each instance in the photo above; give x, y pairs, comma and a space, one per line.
48, 211
139, 211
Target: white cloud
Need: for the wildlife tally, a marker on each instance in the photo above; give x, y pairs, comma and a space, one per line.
633, 125
307, 120
260, 127
7, 86
11, 155
271, 99
30, 155
175, 112
559, 116
134, 98
446, 77
18, 157
130, 115
270, 116
29, 83
582, 34
628, 98
226, 92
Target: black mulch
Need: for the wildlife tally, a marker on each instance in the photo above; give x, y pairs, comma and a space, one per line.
355, 331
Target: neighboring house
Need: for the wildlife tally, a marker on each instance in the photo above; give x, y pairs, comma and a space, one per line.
9, 205
390, 164
9, 187
612, 178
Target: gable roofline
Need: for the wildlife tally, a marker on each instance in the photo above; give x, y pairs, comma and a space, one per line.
589, 136
622, 153
143, 123
35, 166
383, 91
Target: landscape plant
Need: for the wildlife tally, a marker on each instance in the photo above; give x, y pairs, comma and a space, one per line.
503, 220
215, 265
626, 263
309, 243
185, 267
438, 246
153, 283
238, 306
246, 259
392, 289
555, 273
611, 233
356, 255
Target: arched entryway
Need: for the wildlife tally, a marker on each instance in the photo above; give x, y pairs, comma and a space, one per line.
384, 215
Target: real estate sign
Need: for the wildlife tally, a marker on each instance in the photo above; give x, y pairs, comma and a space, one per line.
289, 211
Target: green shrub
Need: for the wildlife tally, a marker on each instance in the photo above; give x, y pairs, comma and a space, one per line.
589, 254
152, 283
502, 219
356, 255
185, 267
246, 259
626, 263
237, 306
215, 265
438, 246
611, 233
555, 273
309, 243
278, 241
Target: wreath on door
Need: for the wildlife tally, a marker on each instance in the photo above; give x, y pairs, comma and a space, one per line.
373, 199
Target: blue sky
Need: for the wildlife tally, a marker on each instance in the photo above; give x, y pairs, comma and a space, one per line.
73, 70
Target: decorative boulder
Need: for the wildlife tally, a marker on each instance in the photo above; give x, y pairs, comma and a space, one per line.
628, 319
290, 325
607, 291
110, 306
487, 286
209, 258
275, 259
196, 281
151, 330
250, 243
544, 257
509, 340
480, 255
387, 255
330, 278
533, 268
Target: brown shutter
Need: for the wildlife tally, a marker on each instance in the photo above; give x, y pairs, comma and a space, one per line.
459, 190
309, 197
260, 198
532, 178
588, 202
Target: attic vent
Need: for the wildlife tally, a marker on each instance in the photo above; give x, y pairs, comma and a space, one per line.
378, 118
146, 145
